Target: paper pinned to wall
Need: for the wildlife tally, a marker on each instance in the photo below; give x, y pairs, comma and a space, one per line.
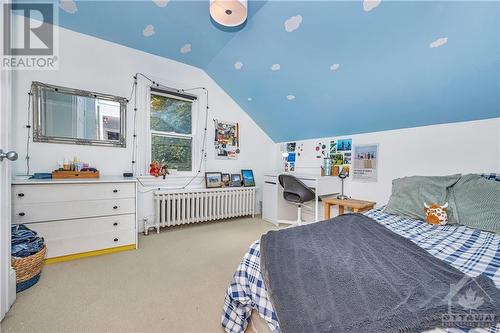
341, 156
227, 141
365, 163
344, 144
333, 148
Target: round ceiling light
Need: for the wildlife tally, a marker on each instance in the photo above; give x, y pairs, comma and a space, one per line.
229, 13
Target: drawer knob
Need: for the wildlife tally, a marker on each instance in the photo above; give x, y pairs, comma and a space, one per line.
115, 224
115, 191
115, 207
20, 195
115, 240
21, 214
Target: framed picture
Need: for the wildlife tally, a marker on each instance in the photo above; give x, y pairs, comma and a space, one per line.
213, 179
226, 180
236, 180
248, 179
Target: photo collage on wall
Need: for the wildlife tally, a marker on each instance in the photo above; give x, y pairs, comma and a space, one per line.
293, 151
341, 156
227, 140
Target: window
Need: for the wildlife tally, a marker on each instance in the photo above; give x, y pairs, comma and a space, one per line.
171, 125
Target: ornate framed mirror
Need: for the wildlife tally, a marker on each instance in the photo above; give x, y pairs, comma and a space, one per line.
66, 115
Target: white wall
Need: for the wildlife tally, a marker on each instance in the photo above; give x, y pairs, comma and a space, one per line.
466, 147
93, 64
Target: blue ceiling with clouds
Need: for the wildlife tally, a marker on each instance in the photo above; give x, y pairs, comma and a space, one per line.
306, 69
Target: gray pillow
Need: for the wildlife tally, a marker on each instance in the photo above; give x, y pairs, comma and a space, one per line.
410, 193
476, 203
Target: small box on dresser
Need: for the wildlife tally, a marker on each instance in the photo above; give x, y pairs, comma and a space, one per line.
78, 217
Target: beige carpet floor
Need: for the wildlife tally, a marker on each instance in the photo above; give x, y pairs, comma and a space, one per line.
175, 282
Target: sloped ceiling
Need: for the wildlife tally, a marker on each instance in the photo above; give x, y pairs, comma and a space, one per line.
305, 69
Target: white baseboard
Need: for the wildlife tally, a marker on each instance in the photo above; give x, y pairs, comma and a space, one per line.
12, 287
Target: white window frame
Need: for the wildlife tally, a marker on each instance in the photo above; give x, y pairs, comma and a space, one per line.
192, 136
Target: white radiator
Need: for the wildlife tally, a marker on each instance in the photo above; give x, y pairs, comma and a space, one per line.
176, 207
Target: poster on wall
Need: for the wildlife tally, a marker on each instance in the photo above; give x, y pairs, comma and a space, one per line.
341, 156
227, 141
365, 163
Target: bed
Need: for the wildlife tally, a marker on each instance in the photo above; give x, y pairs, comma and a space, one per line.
471, 251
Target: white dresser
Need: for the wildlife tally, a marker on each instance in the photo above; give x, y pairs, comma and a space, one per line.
78, 218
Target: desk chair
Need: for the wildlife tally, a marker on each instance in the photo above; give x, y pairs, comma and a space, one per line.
295, 192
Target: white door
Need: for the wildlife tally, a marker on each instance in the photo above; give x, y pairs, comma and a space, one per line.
7, 295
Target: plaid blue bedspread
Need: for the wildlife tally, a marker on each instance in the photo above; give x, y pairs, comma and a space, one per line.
471, 251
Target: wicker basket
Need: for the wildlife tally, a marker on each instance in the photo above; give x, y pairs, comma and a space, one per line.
28, 267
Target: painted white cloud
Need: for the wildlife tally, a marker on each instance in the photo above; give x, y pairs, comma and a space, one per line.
334, 67
148, 31
161, 3
370, 4
438, 42
249, 99
293, 23
238, 65
275, 67
186, 48
290, 97
68, 6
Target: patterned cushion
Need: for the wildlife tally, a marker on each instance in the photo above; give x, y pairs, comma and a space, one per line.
476, 203
410, 193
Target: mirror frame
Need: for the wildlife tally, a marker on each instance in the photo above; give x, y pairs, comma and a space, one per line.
38, 136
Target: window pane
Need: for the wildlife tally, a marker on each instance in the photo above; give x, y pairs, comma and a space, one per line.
175, 152
170, 115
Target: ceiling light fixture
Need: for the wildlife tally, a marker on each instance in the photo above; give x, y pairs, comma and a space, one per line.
229, 13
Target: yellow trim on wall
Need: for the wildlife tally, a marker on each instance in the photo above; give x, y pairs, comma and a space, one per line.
89, 254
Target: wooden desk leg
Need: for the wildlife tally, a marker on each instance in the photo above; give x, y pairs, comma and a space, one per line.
341, 210
327, 210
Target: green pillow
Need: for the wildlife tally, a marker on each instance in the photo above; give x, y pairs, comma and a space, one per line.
410, 193
476, 203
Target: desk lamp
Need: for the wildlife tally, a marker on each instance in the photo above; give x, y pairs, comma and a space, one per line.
342, 176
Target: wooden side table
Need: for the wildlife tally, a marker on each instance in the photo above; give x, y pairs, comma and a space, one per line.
354, 204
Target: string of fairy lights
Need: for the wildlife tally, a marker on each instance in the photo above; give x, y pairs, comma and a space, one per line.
156, 84
133, 96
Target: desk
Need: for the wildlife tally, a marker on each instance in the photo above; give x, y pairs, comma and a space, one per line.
356, 205
275, 208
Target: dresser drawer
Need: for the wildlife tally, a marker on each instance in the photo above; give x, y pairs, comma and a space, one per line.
79, 244
24, 194
82, 227
53, 211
